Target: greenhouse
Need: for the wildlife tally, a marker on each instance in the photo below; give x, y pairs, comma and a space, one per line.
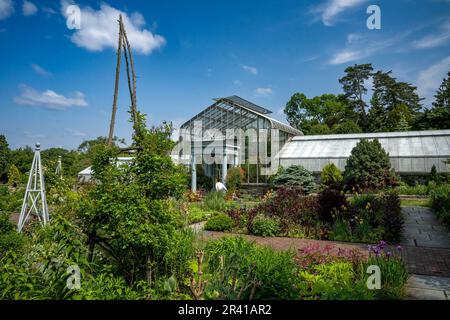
233, 132
411, 152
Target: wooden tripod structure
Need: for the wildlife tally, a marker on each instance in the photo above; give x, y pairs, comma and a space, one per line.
125, 45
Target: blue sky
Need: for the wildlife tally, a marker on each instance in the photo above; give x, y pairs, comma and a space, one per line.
56, 84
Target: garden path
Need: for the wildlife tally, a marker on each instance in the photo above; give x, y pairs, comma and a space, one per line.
426, 251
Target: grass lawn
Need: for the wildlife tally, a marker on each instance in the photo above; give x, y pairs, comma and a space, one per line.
415, 202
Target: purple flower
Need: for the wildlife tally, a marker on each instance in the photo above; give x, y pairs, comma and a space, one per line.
399, 248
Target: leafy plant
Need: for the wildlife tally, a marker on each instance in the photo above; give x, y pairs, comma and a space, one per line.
331, 176
368, 167
234, 178
215, 201
331, 202
241, 269
219, 222
265, 227
295, 176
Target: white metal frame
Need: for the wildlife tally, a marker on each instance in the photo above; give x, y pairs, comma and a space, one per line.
34, 201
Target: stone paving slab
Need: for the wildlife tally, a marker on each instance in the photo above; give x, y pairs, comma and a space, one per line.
421, 287
423, 229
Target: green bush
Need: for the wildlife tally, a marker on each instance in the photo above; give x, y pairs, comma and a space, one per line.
331, 202
331, 176
219, 222
215, 201
265, 227
420, 190
440, 202
234, 178
333, 281
368, 167
295, 176
250, 271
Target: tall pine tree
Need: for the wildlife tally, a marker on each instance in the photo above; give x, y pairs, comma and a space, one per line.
354, 89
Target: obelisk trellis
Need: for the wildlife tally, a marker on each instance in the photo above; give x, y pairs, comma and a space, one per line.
34, 201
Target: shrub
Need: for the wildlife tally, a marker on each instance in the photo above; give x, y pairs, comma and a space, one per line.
234, 178
249, 271
368, 167
392, 216
336, 280
419, 189
330, 203
265, 227
215, 201
295, 176
434, 176
219, 222
290, 206
382, 212
440, 202
331, 176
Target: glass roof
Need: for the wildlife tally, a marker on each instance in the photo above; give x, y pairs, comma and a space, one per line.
235, 112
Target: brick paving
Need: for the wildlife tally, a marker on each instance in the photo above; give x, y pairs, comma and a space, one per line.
426, 243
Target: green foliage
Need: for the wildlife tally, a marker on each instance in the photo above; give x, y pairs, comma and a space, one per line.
215, 201
394, 273
316, 115
368, 167
331, 176
330, 203
14, 176
333, 281
434, 176
4, 158
265, 227
219, 222
295, 176
419, 189
10, 239
353, 84
249, 271
440, 202
438, 117
347, 126
234, 178
10, 200
377, 217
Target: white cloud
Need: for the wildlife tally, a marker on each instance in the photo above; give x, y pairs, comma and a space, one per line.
6, 9
237, 82
30, 135
250, 69
361, 46
329, 10
40, 71
345, 56
430, 79
76, 133
431, 41
99, 30
49, 99
28, 8
263, 92
48, 11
